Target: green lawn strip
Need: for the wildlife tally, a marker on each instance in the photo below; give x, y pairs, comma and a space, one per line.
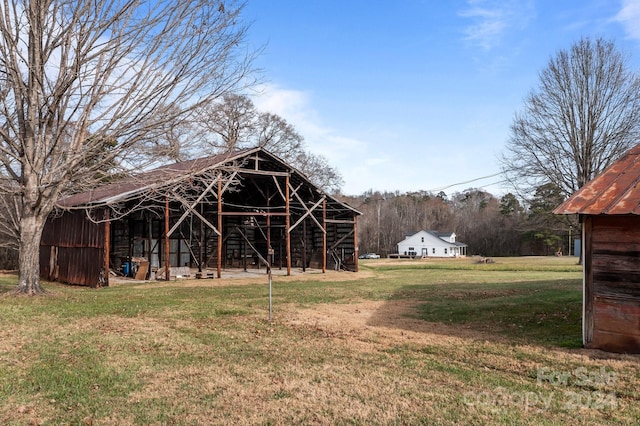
549, 264
547, 313
481, 267
73, 375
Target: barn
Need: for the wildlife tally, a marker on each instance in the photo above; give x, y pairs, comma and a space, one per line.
609, 211
246, 209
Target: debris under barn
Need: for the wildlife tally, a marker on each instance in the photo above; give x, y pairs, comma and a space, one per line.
246, 209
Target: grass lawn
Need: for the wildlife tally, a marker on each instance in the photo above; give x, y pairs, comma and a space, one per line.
400, 342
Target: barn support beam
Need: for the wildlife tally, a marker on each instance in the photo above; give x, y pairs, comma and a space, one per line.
303, 241
288, 225
275, 181
201, 241
129, 242
149, 237
337, 243
324, 236
247, 241
190, 207
219, 247
355, 242
269, 248
338, 221
107, 246
167, 267
308, 213
253, 214
191, 210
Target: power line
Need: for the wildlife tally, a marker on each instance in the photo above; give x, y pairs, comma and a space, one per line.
442, 188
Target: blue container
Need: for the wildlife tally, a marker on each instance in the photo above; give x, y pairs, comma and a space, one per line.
126, 268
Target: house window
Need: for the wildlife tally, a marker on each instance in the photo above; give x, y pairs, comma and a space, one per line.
422, 239
445, 251
411, 249
433, 250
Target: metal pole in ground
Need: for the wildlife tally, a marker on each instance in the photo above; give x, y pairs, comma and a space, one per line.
269, 257
270, 304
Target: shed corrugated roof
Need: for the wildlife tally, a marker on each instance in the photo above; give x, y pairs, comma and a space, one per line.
616, 191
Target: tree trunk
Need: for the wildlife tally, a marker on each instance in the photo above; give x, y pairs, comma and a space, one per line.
31, 226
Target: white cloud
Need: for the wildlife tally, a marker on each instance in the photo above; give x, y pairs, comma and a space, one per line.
284, 102
376, 161
629, 17
384, 162
295, 106
493, 18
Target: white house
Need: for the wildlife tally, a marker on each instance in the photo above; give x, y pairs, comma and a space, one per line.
432, 244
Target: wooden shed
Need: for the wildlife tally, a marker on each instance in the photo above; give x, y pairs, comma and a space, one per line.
247, 209
609, 210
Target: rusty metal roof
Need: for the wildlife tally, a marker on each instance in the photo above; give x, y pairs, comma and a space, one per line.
616, 191
136, 184
133, 186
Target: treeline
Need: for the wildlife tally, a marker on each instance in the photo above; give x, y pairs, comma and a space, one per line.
490, 226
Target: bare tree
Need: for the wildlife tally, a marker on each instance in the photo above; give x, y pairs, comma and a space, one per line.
317, 168
584, 114
278, 136
233, 122
84, 83
228, 124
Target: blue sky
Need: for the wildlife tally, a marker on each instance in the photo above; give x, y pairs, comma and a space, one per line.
417, 94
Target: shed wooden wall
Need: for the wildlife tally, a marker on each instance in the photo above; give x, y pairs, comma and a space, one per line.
612, 283
72, 249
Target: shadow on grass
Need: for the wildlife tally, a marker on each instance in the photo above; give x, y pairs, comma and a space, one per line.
8, 281
546, 313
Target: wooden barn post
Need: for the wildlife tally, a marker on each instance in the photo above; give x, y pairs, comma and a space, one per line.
269, 249
167, 269
149, 237
324, 236
287, 224
219, 269
355, 242
107, 245
201, 242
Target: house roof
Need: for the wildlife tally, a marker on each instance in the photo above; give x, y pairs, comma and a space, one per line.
616, 191
133, 186
434, 233
441, 234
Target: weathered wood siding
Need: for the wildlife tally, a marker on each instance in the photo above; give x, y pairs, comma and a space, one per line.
612, 283
72, 249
